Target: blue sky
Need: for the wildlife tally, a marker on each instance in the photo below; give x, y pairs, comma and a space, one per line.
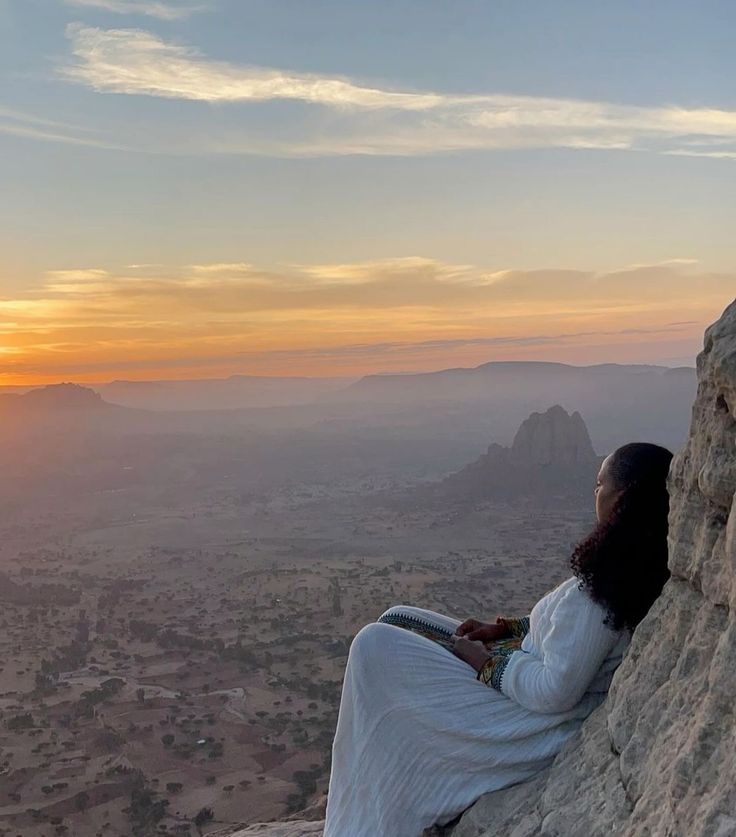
498, 136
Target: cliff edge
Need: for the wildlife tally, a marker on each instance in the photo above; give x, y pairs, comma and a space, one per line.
659, 757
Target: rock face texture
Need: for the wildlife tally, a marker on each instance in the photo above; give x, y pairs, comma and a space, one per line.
659, 757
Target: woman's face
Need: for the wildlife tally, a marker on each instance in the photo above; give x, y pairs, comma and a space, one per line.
606, 492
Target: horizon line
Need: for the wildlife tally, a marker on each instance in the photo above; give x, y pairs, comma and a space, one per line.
353, 378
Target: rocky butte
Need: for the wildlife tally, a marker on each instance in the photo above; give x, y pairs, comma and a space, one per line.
659, 756
551, 459
552, 438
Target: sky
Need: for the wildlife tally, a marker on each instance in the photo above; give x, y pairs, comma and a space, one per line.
199, 188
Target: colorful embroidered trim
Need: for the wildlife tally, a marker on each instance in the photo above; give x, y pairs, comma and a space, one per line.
516, 626
492, 670
419, 626
505, 646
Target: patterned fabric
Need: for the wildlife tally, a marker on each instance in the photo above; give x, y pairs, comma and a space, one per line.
443, 637
505, 646
492, 670
516, 626
419, 626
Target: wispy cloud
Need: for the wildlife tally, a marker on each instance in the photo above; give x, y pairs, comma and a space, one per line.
379, 119
170, 10
411, 268
22, 117
713, 155
30, 126
372, 351
231, 268
372, 316
137, 62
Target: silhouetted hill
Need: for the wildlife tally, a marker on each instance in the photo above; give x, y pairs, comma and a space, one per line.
506, 379
553, 438
57, 397
54, 396
551, 459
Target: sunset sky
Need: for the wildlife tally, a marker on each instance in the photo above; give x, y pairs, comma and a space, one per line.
279, 187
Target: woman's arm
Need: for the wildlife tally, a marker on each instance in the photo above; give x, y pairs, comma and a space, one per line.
556, 677
503, 627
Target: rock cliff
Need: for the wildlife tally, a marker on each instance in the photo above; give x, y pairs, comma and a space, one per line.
659, 757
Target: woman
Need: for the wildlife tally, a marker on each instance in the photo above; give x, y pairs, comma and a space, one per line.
423, 732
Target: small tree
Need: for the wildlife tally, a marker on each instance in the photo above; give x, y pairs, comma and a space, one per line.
204, 815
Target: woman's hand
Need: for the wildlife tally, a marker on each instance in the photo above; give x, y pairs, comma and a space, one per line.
473, 653
474, 630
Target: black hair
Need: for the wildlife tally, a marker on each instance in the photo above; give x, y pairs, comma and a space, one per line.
622, 563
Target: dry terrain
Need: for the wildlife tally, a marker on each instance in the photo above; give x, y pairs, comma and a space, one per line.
172, 666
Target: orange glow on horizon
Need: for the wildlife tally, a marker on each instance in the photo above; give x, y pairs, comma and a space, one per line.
393, 315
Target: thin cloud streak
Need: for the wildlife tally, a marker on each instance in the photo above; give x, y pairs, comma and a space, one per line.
713, 155
28, 132
373, 350
374, 120
33, 119
29, 126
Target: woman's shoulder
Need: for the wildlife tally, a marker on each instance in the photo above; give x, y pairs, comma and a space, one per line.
550, 601
575, 596
572, 593
569, 587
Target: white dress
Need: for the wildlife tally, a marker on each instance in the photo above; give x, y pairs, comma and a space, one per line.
419, 738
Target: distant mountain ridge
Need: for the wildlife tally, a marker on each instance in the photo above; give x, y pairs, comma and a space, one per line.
468, 382
620, 402
66, 396
463, 406
242, 391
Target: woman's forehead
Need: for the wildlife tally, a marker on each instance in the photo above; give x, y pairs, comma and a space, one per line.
605, 465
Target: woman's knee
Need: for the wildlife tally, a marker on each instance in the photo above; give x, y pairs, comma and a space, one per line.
371, 643
394, 610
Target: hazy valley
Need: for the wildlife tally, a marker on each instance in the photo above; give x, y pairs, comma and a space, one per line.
180, 588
